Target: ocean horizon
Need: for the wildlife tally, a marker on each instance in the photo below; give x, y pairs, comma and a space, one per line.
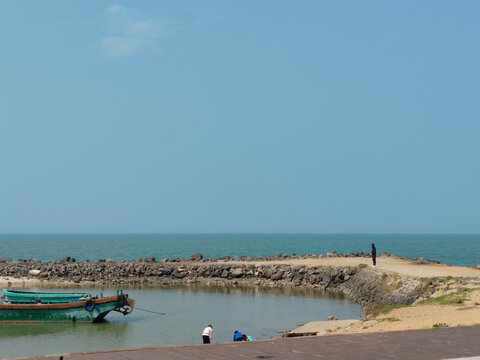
455, 249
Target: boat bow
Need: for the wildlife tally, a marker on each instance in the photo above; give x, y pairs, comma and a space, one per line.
127, 305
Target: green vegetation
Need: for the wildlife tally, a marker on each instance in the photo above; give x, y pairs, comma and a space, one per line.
439, 325
387, 308
390, 319
374, 310
454, 298
362, 266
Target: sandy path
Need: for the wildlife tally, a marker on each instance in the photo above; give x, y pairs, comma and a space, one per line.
385, 264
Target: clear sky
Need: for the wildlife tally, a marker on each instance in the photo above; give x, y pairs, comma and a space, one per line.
239, 116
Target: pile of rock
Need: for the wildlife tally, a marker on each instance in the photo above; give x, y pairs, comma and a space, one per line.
152, 272
362, 284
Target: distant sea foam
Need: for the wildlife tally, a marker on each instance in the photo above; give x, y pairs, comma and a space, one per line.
455, 249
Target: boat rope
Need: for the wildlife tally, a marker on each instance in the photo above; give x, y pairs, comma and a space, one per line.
150, 311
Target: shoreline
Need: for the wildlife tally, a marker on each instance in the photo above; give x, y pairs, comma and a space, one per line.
333, 273
409, 286
349, 275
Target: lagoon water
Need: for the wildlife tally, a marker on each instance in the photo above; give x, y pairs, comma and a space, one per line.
455, 249
259, 312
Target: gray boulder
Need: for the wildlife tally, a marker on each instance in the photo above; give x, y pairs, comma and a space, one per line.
196, 257
278, 275
179, 274
237, 272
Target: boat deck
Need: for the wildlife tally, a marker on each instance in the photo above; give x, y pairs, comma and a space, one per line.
428, 344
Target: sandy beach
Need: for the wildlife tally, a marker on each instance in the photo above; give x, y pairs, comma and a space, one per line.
418, 316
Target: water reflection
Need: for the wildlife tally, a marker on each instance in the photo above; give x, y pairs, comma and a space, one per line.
260, 312
249, 290
20, 330
16, 330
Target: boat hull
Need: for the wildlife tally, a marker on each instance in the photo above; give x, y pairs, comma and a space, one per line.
33, 297
83, 311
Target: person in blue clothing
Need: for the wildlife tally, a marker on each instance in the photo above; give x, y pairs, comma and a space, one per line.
237, 336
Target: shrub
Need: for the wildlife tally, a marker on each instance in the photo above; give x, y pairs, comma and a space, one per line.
390, 319
372, 310
387, 308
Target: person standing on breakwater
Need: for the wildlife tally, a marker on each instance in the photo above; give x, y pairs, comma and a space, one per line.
374, 255
207, 334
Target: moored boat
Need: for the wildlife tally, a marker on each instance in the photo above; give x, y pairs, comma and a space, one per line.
34, 297
30, 306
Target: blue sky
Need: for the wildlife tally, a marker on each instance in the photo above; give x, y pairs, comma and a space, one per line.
247, 116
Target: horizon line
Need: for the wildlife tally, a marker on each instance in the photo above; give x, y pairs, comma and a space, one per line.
239, 233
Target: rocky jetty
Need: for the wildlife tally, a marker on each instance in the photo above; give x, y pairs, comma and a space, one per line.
372, 287
362, 283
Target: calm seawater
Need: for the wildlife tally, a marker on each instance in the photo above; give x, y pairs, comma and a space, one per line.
461, 249
255, 311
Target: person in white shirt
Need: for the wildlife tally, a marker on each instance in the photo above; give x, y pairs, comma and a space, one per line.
207, 334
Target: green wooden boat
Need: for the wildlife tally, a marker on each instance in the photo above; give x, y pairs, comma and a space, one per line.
33, 297
78, 309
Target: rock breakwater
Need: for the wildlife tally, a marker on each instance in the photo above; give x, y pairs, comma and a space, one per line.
362, 283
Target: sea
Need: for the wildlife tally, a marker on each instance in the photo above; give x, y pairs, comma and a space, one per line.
166, 316
454, 249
